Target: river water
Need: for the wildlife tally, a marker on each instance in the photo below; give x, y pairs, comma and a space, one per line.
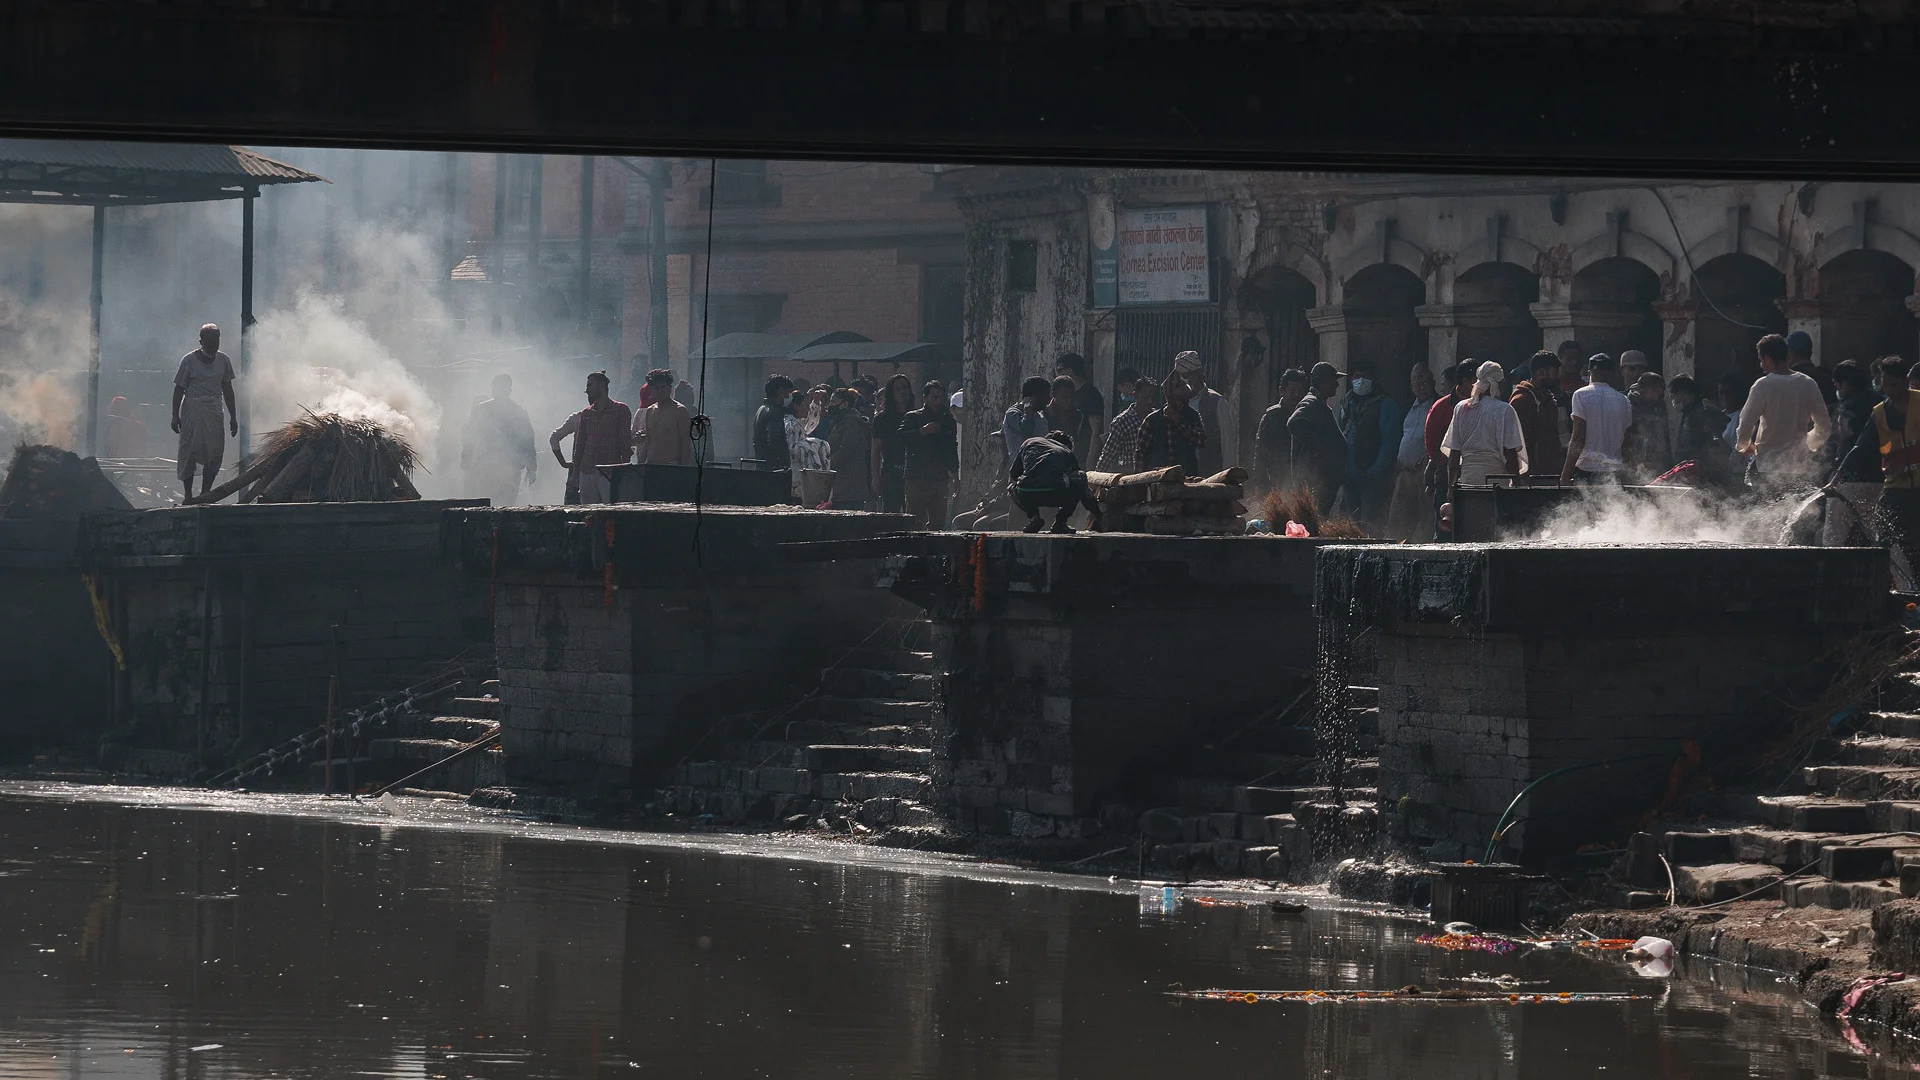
143, 939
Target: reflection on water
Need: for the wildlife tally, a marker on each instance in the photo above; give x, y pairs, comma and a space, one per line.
179, 944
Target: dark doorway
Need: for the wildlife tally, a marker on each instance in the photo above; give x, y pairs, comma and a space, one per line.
1613, 308
1490, 300
1283, 297
1736, 295
1381, 326
1863, 308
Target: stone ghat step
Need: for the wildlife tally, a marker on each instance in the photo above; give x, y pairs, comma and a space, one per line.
828, 758
1809, 813
905, 661
824, 731
838, 709
870, 683
1904, 725
751, 782
463, 729
1210, 794
1895, 751
1837, 895
1864, 782
486, 707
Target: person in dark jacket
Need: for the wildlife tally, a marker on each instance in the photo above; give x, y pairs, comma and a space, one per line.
1046, 472
1852, 408
890, 431
1319, 450
770, 425
933, 457
1272, 446
1698, 437
1027, 417
1370, 420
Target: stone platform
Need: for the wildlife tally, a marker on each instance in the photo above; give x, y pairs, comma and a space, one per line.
1074, 664
627, 636
1498, 664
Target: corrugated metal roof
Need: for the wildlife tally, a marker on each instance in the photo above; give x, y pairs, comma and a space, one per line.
235, 164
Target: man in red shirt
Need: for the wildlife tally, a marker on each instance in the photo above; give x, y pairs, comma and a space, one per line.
1459, 380
602, 435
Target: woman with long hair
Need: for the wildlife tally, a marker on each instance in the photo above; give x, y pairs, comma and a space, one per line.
1484, 436
890, 464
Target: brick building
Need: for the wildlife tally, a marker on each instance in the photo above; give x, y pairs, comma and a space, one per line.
561, 252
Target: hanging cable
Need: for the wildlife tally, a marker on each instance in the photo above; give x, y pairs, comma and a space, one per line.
702, 424
1694, 270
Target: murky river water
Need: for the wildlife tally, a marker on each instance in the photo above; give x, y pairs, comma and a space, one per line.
141, 940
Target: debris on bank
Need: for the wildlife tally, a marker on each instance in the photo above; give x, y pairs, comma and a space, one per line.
48, 482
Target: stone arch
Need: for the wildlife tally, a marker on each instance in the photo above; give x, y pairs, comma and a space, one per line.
1281, 297
1881, 236
1612, 307
1491, 304
1381, 325
1736, 295
1635, 246
1863, 307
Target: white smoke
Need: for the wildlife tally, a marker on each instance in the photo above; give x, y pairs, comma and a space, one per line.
41, 365
1609, 515
314, 356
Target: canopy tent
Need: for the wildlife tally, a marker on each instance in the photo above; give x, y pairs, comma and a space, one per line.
773, 346
861, 352
105, 174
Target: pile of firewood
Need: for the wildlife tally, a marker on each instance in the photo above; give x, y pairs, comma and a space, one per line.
1164, 502
325, 458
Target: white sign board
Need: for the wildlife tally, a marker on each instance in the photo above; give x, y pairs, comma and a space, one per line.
1163, 256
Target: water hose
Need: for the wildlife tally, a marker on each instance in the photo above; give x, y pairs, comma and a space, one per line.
1500, 827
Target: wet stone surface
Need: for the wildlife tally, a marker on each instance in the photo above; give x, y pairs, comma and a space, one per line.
149, 939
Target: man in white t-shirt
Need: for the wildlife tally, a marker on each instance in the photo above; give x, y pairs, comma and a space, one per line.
1601, 416
201, 387
1785, 420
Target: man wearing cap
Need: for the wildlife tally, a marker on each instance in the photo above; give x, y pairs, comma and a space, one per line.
1221, 449
1633, 364
602, 435
1172, 434
1370, 420
1601, 416
1319, 450
665, 427
1800, 359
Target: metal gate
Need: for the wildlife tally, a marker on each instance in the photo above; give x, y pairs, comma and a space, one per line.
1146, 339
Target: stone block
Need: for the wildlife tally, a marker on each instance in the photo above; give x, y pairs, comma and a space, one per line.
1162, 824
1254, 861
1051, 803
1027, 825
1223, 826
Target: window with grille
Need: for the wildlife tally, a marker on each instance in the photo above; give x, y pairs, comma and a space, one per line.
1146, 339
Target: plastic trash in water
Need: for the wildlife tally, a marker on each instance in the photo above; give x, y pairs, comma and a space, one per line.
1159, 901
1259, 525
204, 1046
1651, 957
1297, 530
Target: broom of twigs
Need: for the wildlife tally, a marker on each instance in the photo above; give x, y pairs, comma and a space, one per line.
1298, 504
326, 457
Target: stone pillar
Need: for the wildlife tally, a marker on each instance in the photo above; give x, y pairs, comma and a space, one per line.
1556, 323
1677, 323
1913, 305
1331, 324
1442, 323
1803, 313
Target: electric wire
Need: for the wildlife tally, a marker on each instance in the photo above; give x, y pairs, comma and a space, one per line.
701, 426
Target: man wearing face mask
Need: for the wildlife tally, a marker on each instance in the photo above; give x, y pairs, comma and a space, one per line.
1370, 420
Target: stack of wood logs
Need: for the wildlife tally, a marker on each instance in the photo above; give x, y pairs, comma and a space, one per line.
1165, 503
325, 458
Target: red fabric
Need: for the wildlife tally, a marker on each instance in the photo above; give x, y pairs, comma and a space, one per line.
1438, 418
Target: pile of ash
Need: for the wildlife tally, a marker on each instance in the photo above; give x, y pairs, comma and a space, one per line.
48, 482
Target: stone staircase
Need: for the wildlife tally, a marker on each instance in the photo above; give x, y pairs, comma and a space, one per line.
1252, 805
415, 738
855, 756
1849, 839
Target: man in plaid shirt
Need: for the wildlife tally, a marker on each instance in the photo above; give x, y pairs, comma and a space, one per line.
1120, 452
1173, 434
602, 435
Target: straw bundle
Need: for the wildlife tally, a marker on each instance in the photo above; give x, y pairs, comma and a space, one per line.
326, 458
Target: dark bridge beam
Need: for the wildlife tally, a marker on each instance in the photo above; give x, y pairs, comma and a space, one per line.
1603, 88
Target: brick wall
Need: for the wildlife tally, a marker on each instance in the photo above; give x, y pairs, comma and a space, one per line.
567, 693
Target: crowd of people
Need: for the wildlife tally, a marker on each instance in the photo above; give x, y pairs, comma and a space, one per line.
1390, 460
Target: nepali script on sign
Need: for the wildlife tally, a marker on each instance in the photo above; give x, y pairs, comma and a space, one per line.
1163, 256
